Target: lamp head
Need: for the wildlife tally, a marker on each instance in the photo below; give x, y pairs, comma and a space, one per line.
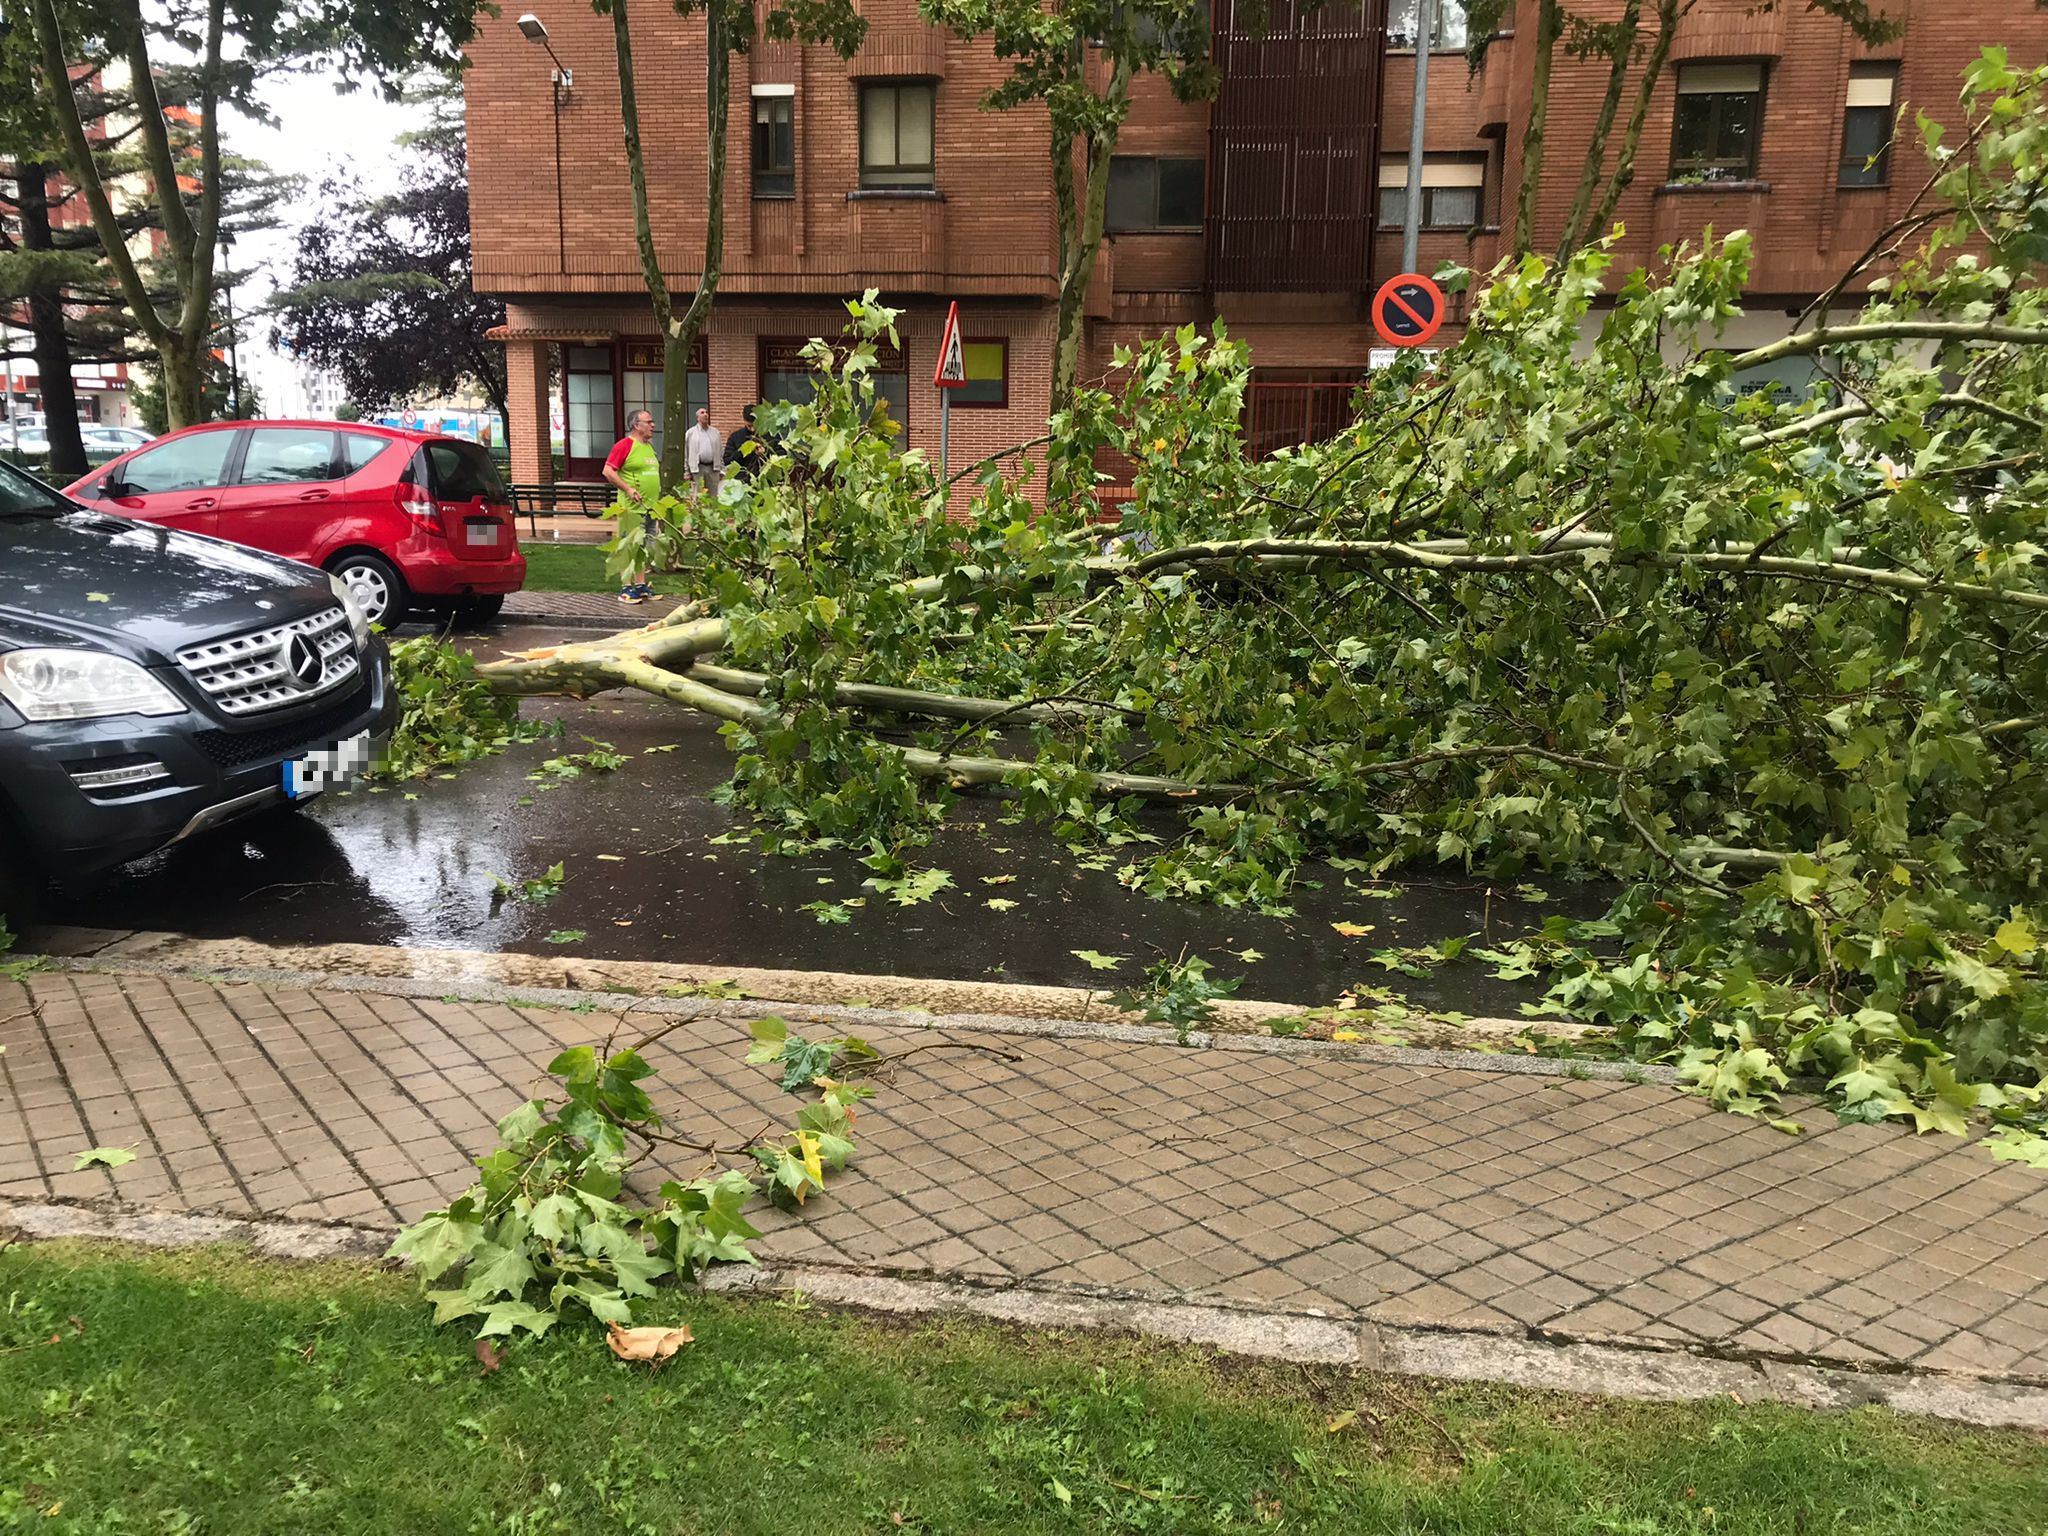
531, 26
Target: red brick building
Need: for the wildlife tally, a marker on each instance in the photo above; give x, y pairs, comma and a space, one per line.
1275, 207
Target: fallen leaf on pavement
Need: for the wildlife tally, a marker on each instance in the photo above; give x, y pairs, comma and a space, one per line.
651, 1344
104, 1157
1353, 930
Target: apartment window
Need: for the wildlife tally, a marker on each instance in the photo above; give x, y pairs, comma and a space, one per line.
1720, 112
774, 142
1146, 192
988, 372
1448, 32
1867, 126
896, 134
1451, 185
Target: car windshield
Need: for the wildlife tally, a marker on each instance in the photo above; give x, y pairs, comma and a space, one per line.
23, 496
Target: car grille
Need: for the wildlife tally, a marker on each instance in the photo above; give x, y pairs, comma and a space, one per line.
248, 674
237, 749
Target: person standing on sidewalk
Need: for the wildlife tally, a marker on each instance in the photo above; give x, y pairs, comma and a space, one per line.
703, 453
744, 450
635, 469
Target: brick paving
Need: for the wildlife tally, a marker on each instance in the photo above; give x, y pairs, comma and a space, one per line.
1432, 1197
584, 608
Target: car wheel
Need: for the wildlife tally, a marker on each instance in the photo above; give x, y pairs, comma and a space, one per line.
379, 590
479, 610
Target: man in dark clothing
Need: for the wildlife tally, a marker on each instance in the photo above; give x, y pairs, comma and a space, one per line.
743, 450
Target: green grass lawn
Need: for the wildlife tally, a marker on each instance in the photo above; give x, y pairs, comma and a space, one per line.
208, 1391
578, 568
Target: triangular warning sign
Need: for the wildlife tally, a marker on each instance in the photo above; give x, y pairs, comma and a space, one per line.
952, 370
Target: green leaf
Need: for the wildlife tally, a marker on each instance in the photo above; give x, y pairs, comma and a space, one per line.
567, 936
1986, 981
103, 1157
520, 1127
1060, 1490
503, 1318
2016, 937
450, 1305
436, 1243
496, 1271
578, 1064
555, 1217
1095, 960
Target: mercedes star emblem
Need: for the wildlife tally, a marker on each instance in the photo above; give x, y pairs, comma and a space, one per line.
301, 661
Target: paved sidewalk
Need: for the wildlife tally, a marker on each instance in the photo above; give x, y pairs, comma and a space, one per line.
1446, 1198
584, 609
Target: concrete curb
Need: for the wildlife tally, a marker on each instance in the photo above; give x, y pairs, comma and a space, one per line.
1640, 1370
464, 982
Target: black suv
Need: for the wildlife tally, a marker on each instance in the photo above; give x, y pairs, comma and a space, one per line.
154, 684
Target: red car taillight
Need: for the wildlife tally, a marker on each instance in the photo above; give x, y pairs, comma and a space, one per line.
418, 503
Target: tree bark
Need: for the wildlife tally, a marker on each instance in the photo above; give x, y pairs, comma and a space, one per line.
1549, 25
680, 337
1622, 47
46, 322
1081, 230
1624, 174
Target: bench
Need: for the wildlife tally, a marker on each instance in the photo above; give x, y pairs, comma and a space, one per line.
591, 500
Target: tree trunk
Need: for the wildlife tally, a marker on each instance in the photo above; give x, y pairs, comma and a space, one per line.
1622, 47
1632, 136
183, 382
675, 417
1081, 231
52, 340
680, 335
1549, 24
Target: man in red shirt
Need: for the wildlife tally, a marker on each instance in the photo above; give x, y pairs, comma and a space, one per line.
633, 467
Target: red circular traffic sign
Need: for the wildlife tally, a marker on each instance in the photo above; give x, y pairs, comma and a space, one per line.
1407, 310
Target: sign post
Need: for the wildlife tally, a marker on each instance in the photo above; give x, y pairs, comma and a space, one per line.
949, 375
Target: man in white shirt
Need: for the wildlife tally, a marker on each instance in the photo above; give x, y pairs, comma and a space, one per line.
703, 453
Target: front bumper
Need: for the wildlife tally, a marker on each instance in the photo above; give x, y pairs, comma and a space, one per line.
209, 774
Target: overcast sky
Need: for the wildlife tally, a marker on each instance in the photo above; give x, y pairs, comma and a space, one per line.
316, 133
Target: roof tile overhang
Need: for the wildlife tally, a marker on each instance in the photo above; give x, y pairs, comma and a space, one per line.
589, 335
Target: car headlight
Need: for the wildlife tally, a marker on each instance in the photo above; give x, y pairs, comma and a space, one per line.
358, 621
81, 685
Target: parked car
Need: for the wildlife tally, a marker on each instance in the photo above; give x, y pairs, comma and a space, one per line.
29, 442
404, 518
154, 685
113, 439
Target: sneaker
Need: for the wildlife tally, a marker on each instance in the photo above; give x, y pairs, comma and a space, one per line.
632, 595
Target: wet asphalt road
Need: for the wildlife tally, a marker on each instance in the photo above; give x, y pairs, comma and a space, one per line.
413, 865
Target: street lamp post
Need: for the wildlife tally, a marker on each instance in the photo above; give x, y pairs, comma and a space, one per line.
559, 79
227, 245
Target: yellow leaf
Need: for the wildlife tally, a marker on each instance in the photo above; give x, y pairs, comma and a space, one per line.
653, 1345
1354, 930
808, 1145
1346, 1035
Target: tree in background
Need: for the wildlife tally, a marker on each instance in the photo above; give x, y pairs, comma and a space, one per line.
380, 292
235, 47
1621, 42
730, 27
1079, 59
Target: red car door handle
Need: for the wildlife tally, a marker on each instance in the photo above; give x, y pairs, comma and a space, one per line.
199, 505
312, 495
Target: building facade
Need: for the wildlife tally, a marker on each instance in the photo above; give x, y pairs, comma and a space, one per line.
1276, 207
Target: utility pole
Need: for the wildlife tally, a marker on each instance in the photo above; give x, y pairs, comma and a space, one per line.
1411, 223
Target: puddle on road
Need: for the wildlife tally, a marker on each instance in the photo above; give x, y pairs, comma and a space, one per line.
645, 882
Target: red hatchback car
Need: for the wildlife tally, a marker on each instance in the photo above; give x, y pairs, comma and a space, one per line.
403, 518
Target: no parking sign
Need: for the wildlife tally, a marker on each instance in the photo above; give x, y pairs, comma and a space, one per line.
1407, 310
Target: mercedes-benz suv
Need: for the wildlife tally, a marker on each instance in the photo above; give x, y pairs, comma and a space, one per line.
156, 684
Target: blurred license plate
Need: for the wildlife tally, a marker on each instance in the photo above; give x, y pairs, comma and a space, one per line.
483, 533
329, 768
